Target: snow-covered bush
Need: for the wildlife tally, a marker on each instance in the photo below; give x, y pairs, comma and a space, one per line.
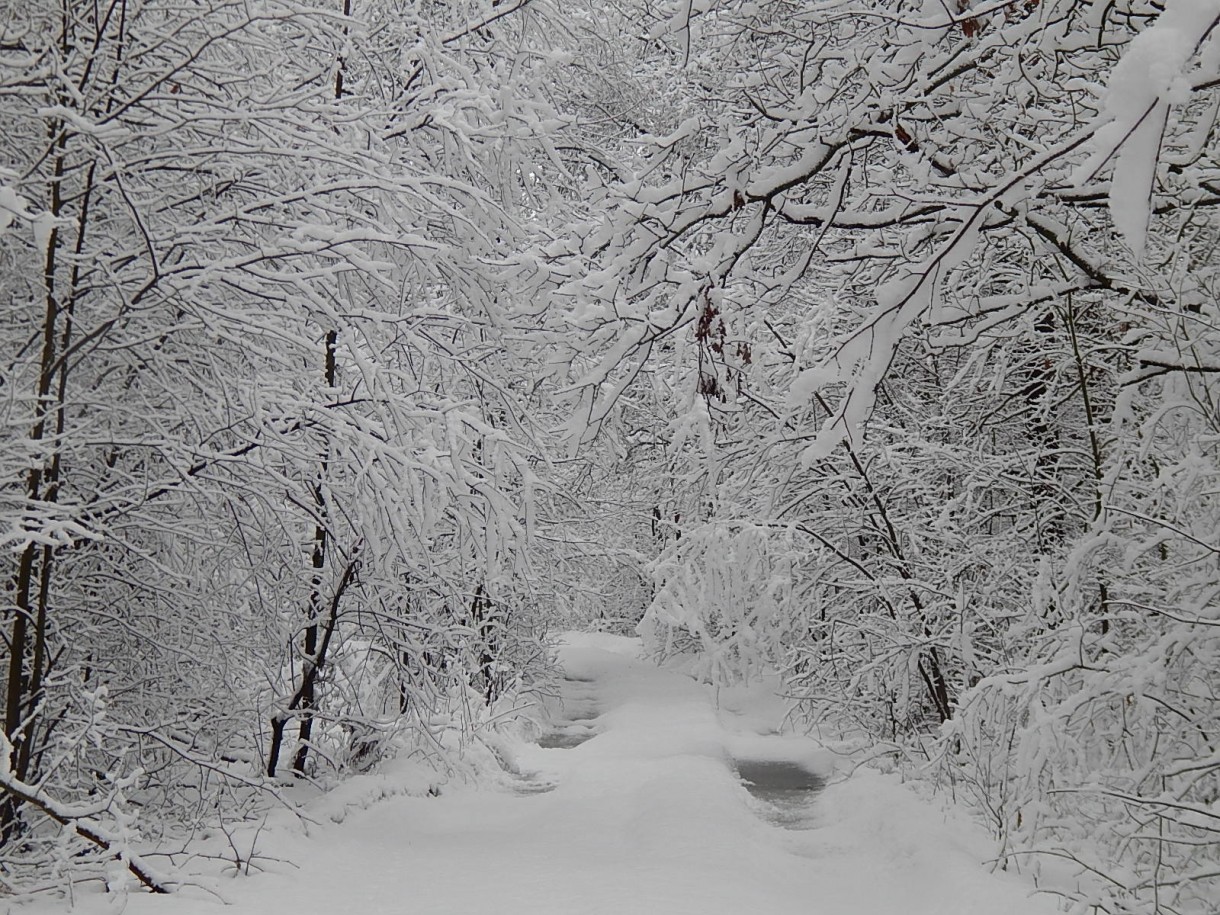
724, 591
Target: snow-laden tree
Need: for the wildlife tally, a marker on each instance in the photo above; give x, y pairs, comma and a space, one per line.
935, 287
266, 456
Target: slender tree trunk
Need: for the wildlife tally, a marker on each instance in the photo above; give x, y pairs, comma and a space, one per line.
304, 700
309, 675
1095, 453
312, 662
931, 668
311, 665
485, 627
18, 709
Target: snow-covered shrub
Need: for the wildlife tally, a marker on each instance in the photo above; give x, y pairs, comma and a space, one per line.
1100, 746
724, 590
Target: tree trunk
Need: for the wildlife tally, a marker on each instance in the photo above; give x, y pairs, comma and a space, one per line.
27, 651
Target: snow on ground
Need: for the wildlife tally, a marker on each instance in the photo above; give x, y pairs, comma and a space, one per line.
647, 816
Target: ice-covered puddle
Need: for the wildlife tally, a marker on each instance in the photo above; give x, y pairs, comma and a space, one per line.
789, 788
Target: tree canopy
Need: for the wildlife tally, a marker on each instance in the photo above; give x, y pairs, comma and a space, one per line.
349, 348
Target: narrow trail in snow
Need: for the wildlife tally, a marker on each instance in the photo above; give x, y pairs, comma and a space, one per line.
636, 802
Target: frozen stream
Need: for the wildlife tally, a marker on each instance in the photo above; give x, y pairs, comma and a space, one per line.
650, 794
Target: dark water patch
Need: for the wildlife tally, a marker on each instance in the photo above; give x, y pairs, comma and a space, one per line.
787, 787
528, 787
777, 775
582, 714
565, 738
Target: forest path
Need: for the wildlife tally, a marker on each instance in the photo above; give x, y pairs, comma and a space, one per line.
648, 816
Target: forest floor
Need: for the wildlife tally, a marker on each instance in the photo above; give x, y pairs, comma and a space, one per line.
633, 802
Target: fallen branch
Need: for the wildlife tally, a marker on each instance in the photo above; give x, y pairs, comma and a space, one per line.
84, 825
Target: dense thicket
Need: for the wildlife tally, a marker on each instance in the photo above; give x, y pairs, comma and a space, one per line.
343, 346
930, 290
267, 461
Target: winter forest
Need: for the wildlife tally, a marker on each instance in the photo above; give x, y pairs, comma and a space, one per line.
351, 349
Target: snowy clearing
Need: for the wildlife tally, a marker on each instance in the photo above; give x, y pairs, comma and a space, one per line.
647, 815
